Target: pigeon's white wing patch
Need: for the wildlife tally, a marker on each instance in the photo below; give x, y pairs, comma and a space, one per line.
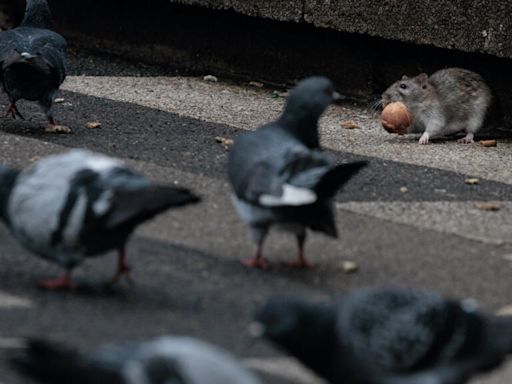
291, 196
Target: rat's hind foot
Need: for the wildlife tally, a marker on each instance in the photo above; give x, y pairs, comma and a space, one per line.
468, 139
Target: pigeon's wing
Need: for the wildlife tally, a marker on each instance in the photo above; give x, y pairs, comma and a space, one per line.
273, 169
119, 197
403, 331
52, 363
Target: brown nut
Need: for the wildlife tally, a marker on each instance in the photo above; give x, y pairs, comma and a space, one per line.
395, 118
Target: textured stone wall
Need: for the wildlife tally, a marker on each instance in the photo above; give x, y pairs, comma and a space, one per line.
469, 25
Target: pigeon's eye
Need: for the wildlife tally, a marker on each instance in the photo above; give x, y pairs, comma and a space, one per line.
403, 86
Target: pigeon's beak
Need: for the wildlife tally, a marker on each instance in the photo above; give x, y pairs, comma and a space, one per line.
337, 96
256, 329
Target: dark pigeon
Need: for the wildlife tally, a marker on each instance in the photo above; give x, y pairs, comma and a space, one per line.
79, 204
165, 360
32, 60
280, 176
388, 336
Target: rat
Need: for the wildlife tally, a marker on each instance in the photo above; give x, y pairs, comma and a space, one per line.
451, 100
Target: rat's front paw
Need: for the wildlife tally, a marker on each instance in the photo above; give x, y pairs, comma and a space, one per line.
424, 139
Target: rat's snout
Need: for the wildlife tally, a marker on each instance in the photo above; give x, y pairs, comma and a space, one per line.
386, 99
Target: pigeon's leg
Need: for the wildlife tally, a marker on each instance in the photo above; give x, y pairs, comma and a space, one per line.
46, 105
301, 262
63, 282
123, 269
258, 261
13, 111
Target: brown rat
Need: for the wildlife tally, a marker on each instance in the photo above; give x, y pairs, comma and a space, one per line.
449, 101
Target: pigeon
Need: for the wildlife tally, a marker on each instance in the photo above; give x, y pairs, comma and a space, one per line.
164, 360
388, 335
78, 204
32, 60
281, 177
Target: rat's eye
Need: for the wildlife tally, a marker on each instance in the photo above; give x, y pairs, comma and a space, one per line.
403, 86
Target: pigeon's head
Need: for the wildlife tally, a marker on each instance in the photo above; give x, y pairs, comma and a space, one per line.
293, 323
306, 103
7, 179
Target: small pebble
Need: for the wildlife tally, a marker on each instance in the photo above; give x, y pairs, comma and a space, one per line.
487, 206
349, 124
472, 181
211, 78
349, 266
256, 84
93, 125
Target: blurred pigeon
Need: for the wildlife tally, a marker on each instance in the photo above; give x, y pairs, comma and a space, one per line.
79, 204
32, 60
165, 360
388, 336
280, 176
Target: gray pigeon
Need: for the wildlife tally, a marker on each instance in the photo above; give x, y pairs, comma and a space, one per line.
388, 336
165, 360
79, 204
280, 176
32, 60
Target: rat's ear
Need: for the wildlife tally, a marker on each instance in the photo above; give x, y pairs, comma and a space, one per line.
404, 77
422, 78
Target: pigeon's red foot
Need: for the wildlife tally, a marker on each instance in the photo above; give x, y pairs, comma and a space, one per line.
62, 283
12, 111
300, 264
256, 262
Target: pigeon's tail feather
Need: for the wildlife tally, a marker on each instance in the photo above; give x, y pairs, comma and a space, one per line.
137, 205
335, 178
52, 363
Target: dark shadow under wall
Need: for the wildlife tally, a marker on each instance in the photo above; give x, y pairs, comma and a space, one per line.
197, 40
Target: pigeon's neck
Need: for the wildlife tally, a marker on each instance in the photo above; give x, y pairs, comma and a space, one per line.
7, 179
302, 125
37, 15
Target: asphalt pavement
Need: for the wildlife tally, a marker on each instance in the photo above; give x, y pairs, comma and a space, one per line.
410, 218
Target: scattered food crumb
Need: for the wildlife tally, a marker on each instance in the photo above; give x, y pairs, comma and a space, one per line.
211, 78
349, 266
349, 124
59, 100
488, 206
278, 94
224, 141
34, 159
256, 84
472, 181
93, 125
404, 189
57, 129
488, 143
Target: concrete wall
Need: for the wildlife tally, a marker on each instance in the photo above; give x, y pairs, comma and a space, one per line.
473, 26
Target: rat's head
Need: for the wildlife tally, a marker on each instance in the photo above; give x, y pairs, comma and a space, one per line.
408, 90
